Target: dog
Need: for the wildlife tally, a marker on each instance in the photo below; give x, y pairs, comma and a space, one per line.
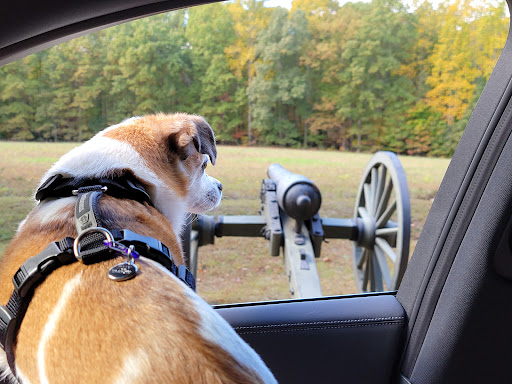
81, 327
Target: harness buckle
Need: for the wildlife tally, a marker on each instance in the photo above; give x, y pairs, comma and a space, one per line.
7, 327
32, 270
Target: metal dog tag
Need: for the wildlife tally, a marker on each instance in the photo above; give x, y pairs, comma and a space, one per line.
123, 271
126, 270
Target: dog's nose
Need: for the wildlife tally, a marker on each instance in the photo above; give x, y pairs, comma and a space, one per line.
219, 185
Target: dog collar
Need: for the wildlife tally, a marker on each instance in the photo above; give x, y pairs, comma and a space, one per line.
124, 187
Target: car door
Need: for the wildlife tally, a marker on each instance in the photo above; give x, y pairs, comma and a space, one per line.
454, 292
449, 321
456, 287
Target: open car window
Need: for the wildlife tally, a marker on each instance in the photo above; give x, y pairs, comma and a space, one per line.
342, 80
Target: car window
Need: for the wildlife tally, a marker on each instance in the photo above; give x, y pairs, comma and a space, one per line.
317, 86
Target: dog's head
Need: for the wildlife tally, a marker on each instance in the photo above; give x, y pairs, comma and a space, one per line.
193, 147
177, 149
166, 152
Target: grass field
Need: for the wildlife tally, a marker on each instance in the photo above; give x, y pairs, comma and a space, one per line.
240, 269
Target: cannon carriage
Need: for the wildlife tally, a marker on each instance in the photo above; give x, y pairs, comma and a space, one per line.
289, 221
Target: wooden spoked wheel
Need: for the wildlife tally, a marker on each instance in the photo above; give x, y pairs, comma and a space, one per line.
383, 216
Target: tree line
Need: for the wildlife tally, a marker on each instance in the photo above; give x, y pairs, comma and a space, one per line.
358, 76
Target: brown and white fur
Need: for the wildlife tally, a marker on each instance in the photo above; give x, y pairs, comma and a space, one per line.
81, 327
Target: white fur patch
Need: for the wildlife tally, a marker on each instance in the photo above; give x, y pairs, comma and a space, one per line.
53, 210
21, 224
99, 157
134, 367
6, 374
204, 193
102, 155
122, 123
51, 325
218, 331
22, 378
4, 367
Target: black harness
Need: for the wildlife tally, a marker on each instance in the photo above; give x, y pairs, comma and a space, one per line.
94, 243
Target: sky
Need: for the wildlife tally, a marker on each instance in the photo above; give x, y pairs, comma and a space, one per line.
288, 3
279, 3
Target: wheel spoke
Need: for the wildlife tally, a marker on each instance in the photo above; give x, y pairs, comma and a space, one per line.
367, 271
363, 212
371, 267
380, 188
386, 231
383, 203
374, 184
383, 265
386, 248
386, 215
368, 202
376, 279
362, 259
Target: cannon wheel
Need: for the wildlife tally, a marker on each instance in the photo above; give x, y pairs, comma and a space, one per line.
383, 216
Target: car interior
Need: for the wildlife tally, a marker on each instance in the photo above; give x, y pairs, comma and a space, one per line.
449, 321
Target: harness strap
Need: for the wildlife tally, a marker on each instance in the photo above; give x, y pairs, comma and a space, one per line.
33, 272
29, 275
86, 217
86, 208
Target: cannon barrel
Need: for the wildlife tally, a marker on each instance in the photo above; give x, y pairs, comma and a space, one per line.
298, 196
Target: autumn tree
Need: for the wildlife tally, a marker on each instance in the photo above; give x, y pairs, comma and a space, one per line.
329, 28
362, 76
250, 18
469, 41
374, 95
453, 73
219, 94
280, 86
148, 66
22, 86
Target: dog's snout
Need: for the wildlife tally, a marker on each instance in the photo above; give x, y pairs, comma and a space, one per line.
219, 185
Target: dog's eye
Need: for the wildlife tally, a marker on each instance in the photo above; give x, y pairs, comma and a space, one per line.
204, 165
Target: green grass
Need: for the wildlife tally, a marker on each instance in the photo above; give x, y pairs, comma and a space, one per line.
240, 269
21, 167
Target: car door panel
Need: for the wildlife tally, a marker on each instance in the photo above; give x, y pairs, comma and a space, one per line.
346, 339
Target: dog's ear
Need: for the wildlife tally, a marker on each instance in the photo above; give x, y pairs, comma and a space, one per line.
184, 143
198, 137
206, 140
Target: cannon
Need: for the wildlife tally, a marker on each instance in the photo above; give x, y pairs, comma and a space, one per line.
289, 220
